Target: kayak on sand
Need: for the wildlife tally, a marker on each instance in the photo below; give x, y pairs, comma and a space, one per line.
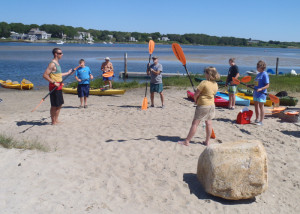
219, 101
24, 85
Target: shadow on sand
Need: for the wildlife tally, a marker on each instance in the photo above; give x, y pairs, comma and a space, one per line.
197, 189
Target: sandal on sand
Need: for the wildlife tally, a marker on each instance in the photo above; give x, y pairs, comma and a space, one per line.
80, 107
183, 143
85, 106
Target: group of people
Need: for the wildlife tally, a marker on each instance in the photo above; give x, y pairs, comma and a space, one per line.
53, 74
204, 95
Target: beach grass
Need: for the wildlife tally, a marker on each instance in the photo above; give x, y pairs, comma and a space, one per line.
286, 82
9, 142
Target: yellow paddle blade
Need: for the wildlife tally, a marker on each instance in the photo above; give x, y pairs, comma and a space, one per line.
145, 104
151, 46
179, 53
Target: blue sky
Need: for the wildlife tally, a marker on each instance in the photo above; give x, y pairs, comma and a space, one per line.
257, 19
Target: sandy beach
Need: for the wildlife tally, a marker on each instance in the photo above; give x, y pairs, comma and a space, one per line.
115, 158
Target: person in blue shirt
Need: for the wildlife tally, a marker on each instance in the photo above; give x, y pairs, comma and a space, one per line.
261, 83
83, 76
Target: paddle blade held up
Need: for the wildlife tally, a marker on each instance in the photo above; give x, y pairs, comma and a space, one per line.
179, 53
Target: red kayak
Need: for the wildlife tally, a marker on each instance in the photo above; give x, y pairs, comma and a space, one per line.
219, 101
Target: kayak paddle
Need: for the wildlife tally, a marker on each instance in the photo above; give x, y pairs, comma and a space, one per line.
151, 49
246, 79
180, 56
43, 99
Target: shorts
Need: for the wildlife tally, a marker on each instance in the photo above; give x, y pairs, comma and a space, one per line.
156, 87
83, 90
204, 113
260, 100
232, 89
107, 78
56, 98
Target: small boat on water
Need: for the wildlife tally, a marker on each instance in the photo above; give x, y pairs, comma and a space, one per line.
60, 42
252, 73
24, 85
100, 92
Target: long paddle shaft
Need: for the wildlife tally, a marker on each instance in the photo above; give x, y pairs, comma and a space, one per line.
189, 77
43, 99
247, 79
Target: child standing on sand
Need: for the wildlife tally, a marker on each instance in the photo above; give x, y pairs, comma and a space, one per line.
261, 83
83, 76
232, 72
205, 110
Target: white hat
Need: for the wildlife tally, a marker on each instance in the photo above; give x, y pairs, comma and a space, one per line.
107, 58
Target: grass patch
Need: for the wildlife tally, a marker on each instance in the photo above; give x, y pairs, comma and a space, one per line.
10, 143
286, 82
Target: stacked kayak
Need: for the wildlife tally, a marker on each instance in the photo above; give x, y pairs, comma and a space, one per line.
219, 101
242, 95
283, 100
238, 100
220, 82
24, 85
96, 91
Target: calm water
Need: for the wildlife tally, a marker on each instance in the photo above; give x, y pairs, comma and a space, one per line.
26, 60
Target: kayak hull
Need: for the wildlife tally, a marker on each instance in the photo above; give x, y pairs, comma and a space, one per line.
219, 101
96, 91
242, 95
238, 101
24, 85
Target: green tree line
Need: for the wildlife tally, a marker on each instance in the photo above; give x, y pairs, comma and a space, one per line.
102, 35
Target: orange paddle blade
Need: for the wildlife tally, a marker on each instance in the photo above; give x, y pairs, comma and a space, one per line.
235, 81
179, 53
108, 74
213, 136
151, 46
145, 104
274, 99
246, 79
38, 105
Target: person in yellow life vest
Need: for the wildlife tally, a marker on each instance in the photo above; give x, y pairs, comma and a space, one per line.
54, 76
108, 72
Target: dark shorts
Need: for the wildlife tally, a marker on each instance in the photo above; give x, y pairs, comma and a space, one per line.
56, 98
156, 87
107, 78
83, 90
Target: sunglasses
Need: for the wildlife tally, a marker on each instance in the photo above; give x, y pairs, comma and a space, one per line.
59, 53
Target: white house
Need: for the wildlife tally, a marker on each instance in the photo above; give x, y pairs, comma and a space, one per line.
39, 34
17, 36
110, 36
132, 39
83, 35
165, 39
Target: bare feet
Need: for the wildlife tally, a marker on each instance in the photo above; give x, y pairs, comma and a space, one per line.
184, 143
204, 143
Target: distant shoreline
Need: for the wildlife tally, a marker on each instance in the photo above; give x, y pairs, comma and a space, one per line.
158, 43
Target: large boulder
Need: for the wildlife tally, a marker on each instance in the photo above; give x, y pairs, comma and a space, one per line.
235, 170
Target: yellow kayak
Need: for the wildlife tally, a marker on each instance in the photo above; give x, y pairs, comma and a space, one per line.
24, 85
242, 95
95, 91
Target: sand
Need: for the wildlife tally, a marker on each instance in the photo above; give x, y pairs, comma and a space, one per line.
115, 158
